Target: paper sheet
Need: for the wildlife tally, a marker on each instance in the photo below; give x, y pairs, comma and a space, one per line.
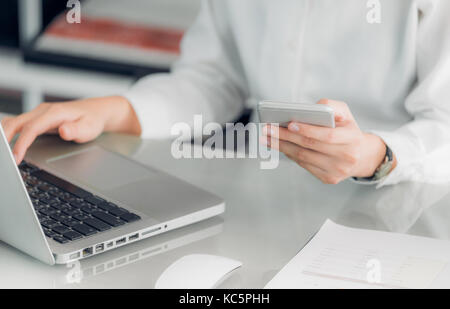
341, 257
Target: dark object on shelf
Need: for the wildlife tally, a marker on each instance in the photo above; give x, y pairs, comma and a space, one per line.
51, 9
9, 23
31, 54
9, 19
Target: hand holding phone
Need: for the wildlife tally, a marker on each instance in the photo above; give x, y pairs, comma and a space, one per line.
330, 151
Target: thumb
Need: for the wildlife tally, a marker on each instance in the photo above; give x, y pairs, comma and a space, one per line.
80, 131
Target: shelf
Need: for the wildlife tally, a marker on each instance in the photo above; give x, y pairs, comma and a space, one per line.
55, 81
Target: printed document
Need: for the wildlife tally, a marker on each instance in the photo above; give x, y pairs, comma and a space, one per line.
339, 257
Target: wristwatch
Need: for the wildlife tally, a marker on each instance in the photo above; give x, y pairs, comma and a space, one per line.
383, 170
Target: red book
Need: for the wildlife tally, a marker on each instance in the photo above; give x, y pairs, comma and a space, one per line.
116, 32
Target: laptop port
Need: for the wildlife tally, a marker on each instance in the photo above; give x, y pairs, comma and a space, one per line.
133, 237
110, 244
151, 231
75, 255
99, 248
87, 251
121, 241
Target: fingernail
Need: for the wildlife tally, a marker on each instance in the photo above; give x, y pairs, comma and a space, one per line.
295, 127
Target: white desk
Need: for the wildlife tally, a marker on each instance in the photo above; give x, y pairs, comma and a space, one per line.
270, 215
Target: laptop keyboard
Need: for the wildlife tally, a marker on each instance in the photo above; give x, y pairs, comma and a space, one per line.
67, 212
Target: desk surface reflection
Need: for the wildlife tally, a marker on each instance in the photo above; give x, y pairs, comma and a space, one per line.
270, 215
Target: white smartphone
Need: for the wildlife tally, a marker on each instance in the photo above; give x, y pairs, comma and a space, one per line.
283, 113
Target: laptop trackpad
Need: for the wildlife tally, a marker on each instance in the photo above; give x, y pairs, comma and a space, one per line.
138, 187
99, 168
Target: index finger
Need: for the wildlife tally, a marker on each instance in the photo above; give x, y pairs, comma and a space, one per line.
41, 124
342, 113
12, 125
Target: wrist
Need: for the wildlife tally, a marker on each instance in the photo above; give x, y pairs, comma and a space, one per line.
373, 155
121, 117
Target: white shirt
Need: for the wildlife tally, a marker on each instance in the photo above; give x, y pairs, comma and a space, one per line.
394, 75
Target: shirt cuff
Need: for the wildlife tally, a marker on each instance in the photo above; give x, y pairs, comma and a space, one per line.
152, 111
406, 151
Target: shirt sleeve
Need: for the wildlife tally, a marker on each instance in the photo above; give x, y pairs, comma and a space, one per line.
422, 146
206, 80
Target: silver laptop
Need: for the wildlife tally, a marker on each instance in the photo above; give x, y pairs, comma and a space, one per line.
90, 200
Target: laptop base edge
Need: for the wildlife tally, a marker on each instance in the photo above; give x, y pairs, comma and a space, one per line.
141, 234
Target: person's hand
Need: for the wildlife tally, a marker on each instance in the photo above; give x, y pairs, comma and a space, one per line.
332, 155
79, 121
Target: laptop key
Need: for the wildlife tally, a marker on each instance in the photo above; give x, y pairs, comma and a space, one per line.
89, 209
61, 239
94, 200
77, 203
55, 193
47, 200
84, 229
71, 211
130, 217
60, 194
111, 220
60, 229
40, 195
73, 199
50, 233
33, 195
58, 205
107, 206
72, 235
59, 217
97, 224
39, 206
118, 212
70, 222
81, 216
44, 187
32, 181
48, 211
49, 223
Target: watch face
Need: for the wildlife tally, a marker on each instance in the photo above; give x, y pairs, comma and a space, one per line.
384, 170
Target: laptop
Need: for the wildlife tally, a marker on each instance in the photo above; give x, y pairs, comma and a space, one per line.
60, 207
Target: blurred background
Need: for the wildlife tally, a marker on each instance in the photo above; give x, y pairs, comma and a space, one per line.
44, 57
